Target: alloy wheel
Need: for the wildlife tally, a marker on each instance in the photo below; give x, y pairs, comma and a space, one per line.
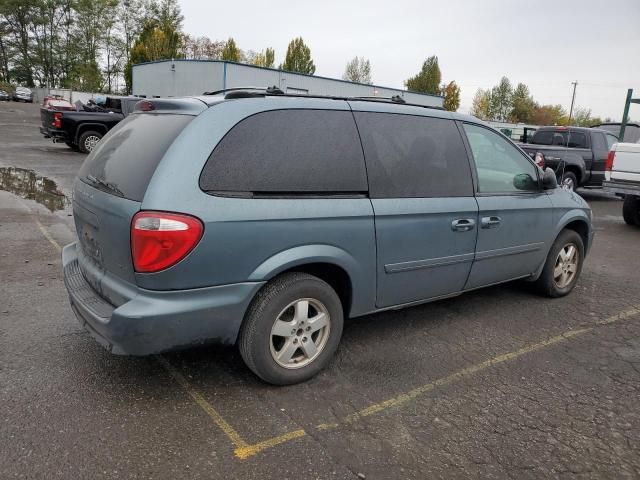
300, 333
566, 266
90, 142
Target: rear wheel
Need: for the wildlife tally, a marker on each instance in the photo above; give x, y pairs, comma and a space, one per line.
569, 181
631, 210
292, 329
88, 141
563, 265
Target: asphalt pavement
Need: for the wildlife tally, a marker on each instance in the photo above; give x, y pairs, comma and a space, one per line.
498, 383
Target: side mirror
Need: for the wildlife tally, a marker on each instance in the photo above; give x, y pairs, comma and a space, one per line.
523, 181
549, 179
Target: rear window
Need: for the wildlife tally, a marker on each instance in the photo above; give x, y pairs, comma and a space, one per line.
561, 138
124, 161
288, 152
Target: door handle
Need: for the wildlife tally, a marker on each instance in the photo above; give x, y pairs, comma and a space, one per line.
490, 222
463, 224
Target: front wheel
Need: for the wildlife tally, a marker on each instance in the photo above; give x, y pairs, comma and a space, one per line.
631, 210
88, 141
292, 329
563, 265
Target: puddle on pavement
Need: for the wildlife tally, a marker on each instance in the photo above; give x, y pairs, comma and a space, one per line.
31, 186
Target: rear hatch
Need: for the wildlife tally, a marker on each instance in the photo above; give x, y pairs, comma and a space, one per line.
109, 191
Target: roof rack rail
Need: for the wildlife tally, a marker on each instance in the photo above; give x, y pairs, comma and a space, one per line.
248, 92
394, 99
271, 90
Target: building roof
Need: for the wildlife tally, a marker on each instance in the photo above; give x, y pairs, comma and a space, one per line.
286, 71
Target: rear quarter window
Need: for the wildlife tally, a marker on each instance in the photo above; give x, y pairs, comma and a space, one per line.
288, 152
414, 156
126, 159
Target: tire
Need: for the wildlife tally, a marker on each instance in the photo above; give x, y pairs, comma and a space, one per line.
549, 284
87, 141
631, 210
276, 306
569, 181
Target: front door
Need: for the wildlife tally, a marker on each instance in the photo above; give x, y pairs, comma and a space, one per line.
515, 214
421, 190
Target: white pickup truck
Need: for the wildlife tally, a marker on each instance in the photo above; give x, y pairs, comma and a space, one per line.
622, 176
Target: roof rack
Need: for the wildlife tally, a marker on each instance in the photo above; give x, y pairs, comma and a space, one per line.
250, 92
394, 99
272, 90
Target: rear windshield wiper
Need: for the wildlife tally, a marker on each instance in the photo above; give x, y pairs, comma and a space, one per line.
105, 185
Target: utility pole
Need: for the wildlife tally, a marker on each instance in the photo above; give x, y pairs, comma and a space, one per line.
573, 98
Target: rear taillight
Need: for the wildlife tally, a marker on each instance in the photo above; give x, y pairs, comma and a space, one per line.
159, 240
539, 160
57, 120
608, 165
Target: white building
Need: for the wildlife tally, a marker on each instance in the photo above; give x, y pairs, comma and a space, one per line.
176, 78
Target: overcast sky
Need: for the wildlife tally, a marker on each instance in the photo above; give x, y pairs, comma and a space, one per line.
545, 44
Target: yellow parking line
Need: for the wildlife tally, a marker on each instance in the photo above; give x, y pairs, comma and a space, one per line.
47, 235
403, 398
250, 450
228, 430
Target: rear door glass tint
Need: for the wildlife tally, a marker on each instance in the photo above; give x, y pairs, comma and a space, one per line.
288, 152
414, 156
124, 161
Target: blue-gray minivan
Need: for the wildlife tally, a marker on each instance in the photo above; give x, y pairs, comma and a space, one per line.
264, 219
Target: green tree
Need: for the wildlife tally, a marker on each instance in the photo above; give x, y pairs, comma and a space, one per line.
160, 37
19, 17
428, 79
481, 104
92, 19
5, 52
231, 52
582, 118
451, 93
549, 115
298, 58
501, 100
523, 105
154, 43
265, 58
358, 70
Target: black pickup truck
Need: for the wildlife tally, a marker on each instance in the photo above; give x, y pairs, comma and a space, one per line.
577, 154
83, 129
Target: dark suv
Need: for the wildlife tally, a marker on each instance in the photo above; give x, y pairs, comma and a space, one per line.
265, 219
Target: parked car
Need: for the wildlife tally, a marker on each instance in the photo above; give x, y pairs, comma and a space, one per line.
23, 94
264, 219
576, 154
82, 130
623, 178
4, 96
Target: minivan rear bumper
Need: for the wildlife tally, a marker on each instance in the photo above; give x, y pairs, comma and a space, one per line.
157, 321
